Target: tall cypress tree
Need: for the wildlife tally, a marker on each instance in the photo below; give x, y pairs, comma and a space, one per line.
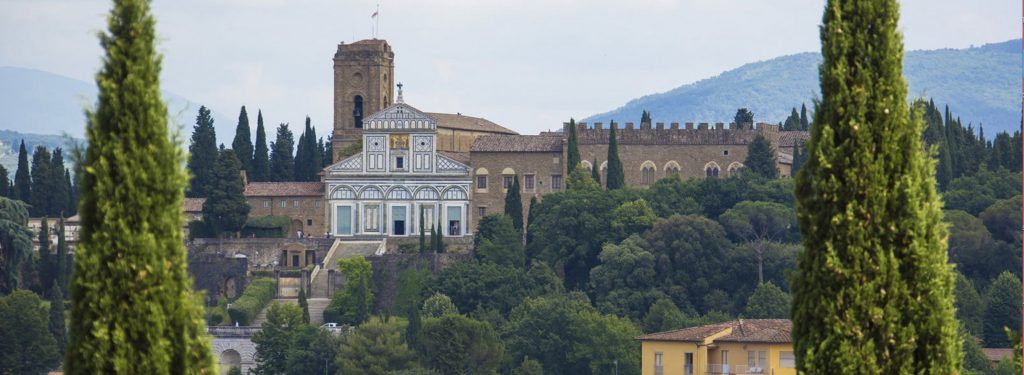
301, 161
423, 236
645, 117
282, 163
132, 310
261, 154
22, 178
202, 154
72, 204
514, 205
529, 217
574, 146
46, 262
57, 326
41, 180
328, 150
615, 177
242, 144
805, 124
595, 173
61, 192
226, 210
873, 293
61, 261
5, 182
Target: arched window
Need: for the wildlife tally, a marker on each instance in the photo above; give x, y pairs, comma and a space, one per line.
735, 168
343, 193
455, 193
711, 169
427, 193
357, 111
371, 193
587, 165
647, 173
399, 193
671, 168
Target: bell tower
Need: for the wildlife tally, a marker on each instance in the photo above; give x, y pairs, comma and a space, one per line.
363, 76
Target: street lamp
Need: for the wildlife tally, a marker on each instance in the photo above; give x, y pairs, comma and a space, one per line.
616, 363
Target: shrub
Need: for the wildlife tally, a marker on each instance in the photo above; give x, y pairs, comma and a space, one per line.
255, 297
267, 227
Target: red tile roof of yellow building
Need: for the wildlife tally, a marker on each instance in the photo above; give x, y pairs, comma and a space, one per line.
194, 204
743, 330
284, 189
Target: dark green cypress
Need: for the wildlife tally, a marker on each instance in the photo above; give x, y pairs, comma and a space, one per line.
805, 124
529, 217
46, 266
5, 182
242, 144
873, 293
514, 205
615, 177
226, 210
61, 192
261, 154
799, 157
761, 158
57, 324
132, 310
595, 173
301, 161
304, 304
61, 261
202, 154
22, 177
433, 238
282, 162
41, 180
645, 117
72, 204
574, 146
328, 150
423, 236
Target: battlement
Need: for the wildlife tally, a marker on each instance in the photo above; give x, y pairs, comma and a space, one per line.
689, 134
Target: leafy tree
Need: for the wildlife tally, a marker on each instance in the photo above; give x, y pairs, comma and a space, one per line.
304, 305
310, 347
972, 248
977, 192
455, 344
578, 180
514, 205
663, 315
496, 241
743, 116
970, 308
411, 285
670, 196
27, 345
242, 144
1003, 219
375, 348
57, 325
41, 183
758, 223
132, 310
573, 154
202, 154
282, 163
438, 305
274, 339
869, 214
625, 282
616, 178
472, 285
633, 217
761, 158
352, 305
975, 361
22, 178
261, 154
1002, 309
792, 122
15, 242
225, 211
767, 302
528, 367
688, 254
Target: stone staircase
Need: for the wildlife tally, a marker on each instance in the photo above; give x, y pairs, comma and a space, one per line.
319, 287
262, 316
316, 310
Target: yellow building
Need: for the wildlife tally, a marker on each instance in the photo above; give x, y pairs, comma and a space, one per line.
744, 346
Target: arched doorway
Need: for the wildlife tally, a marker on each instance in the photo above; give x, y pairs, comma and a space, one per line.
296, 229
228, 359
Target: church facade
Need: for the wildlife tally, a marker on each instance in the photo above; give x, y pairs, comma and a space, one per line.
399, 184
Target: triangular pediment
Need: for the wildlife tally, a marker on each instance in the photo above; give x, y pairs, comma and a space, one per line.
399, 116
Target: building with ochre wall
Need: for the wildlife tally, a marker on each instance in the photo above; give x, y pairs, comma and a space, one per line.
739, 347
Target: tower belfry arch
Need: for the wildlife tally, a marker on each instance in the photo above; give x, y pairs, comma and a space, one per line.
363, 76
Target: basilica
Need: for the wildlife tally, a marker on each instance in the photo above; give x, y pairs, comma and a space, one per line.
399, 170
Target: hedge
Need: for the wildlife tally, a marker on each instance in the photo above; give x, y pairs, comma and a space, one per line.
267, 227
256, 296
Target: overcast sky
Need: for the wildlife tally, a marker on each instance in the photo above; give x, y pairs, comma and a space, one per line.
525, 64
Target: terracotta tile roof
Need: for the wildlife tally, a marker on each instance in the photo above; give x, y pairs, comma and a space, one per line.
461, 157
194, 204
751, 330
463, 122
284, 189
787, 139
997, 354
517, 143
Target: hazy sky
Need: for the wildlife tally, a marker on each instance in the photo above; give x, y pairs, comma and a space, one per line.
525, 64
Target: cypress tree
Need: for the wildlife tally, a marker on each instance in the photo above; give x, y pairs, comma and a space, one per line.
799, 157
57, 326
61, 261
433, 238
615, 177
514, 205
261, 155
574, 146
760, 158
804, 122
46, 266
315, 156
22, 179
41, 180
4, 182
72, 204
304, 305
440, 237
61, 191
595, 173
423, 236
202, 154
328, 150
301, 161
226, 210
645, 117
242, 144
282, 163
132, 310
873, 293
529, 217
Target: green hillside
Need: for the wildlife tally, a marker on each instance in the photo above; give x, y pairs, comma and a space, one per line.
981, 85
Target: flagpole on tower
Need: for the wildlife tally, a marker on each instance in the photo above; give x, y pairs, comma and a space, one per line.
375, 27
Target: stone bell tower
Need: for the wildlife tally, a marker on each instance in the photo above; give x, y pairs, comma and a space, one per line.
363, 76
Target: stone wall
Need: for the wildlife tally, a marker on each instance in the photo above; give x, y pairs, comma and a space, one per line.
261, 253
542, 165
218, 276
306, 213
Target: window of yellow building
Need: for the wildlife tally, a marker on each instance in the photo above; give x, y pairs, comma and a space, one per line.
659, 366
786, 360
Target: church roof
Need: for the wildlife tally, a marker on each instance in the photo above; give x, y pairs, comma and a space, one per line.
399, 116
517, 143
461, 157
284, 189
463, 122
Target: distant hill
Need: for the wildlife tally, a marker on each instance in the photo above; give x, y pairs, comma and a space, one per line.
980, 84
10, 140
38, 102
